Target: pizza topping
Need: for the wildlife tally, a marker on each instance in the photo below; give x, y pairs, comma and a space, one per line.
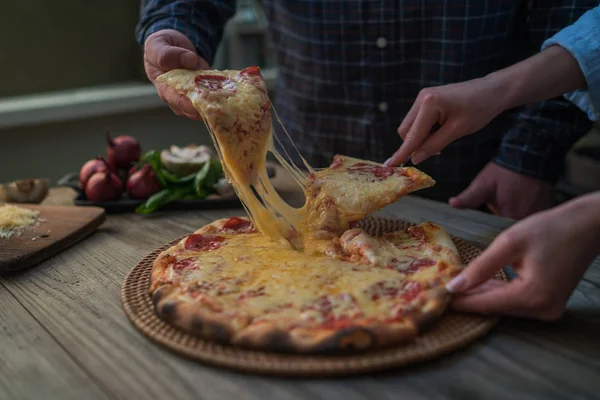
410, 291
238, 224
337, 161
376, 171
179, 265
213, 82
251, 71
418, 264
401, 263
383, 289
221, 287
260, 291
417, 232
198, 242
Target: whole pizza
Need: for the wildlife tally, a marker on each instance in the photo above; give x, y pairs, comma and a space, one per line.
306, 280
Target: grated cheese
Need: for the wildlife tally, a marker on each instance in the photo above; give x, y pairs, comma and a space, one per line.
15, 220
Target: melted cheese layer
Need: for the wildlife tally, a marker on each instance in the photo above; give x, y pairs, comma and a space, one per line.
253, 275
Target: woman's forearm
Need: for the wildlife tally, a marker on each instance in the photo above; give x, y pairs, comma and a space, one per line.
548, 74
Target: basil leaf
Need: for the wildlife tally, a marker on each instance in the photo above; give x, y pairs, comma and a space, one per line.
155, 201
200, 177
173, 178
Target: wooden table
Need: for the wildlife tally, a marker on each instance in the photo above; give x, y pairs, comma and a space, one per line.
63, 334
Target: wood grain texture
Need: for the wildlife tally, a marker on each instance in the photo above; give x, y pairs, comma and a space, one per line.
74, 297
59, 228
33, 365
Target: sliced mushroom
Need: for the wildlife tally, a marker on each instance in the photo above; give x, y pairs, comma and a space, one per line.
185, 160
25, 191
224, 188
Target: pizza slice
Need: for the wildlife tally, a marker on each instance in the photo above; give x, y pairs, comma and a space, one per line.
350, 189
424, 253
236, 109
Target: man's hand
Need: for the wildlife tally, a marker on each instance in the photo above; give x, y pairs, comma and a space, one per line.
166, 50
550, 251
506, 193
459, 109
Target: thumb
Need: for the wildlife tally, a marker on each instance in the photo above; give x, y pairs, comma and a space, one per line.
478, 193
167, 57
501, 252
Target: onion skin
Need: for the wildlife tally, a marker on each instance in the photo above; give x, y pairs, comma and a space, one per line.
122, 151
103, 186
143, 183
88, 169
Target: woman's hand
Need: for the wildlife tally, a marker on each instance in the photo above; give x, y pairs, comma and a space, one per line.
550, 251
459, 109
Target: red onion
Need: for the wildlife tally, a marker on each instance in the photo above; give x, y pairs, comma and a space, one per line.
143, 183
132, 170
90, 168
103, 186
122, 151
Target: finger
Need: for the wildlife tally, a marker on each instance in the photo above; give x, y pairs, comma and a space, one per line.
177, 101
503, 251
160, 53
434, 143
479, 192
427, 116
408, 120
506, 298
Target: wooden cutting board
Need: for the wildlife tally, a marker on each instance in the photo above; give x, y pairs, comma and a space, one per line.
63, 226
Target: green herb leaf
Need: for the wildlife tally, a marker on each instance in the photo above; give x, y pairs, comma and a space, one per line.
200, 177
155, 201
173, 178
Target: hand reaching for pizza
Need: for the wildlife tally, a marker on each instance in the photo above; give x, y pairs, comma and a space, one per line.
166, 50
550, 252
459, 109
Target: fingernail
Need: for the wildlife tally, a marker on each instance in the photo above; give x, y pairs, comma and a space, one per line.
437, 154
419, 156
456, 284
387, 162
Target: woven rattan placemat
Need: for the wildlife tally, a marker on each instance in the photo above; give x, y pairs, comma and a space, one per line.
453, 331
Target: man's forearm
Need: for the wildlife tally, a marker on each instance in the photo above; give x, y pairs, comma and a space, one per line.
546, 75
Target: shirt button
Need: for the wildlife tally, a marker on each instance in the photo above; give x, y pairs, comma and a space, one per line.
381, 42
383, 106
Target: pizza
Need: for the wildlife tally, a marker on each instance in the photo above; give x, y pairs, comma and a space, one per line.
305, 279
236, 109
350, 189
230, 283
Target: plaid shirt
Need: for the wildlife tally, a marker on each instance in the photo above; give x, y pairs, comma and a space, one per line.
349, 70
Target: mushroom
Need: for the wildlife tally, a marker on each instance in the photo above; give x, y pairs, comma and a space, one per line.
224, 188
25, 191
185, 160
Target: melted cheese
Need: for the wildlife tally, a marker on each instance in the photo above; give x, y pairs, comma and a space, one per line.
253, 275
14, 220
236, 109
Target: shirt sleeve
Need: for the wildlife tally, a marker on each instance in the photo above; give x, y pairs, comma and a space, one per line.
582, 40
201, 21
543, 132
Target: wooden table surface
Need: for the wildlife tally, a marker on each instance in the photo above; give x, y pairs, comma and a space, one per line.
63, 334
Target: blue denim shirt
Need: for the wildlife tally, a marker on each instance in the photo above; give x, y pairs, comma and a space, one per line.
582, 40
